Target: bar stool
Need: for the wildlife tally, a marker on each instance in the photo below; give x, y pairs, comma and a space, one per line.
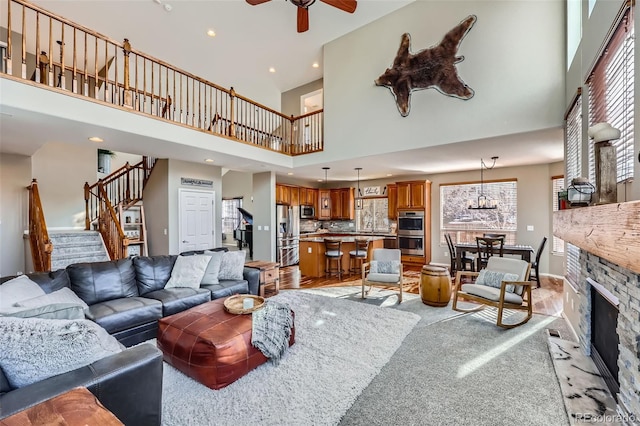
333, 253
358, 256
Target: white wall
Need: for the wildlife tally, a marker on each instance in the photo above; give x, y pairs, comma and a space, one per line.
15, 176
514, 61
156, 206
62, 170
264, 202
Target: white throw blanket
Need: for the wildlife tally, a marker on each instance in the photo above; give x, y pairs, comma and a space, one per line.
271, 329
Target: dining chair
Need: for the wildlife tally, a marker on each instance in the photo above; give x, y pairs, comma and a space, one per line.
491, 235
488, 247
535, 267
466, 259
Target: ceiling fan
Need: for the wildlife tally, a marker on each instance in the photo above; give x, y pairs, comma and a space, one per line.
303, 9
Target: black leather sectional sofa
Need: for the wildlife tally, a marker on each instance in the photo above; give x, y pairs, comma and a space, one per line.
126, 297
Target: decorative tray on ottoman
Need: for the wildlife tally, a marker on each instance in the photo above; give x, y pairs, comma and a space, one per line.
235, 304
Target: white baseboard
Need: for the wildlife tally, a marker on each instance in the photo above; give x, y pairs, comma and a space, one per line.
575, 335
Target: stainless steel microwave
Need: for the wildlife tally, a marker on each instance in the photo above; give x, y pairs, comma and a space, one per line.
307, 212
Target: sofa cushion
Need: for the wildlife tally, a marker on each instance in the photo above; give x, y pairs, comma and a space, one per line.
382, 278
48, 281
213, 268
226, 288
35, 349
385, 266
232, 265
128, 312
188, 271
101, 281
176, 300
152, 273
16, 290
491, 293
50, 311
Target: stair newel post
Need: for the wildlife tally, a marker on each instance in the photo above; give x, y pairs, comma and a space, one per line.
292, 123
87, 193
127, 189
232, 125
9, 46
128, 99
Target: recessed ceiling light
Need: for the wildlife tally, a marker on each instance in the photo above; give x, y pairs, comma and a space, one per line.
272, 69
211, 33
320, 180
208, 160
290, 173
168, 7
96, 139
389, 174
315, 65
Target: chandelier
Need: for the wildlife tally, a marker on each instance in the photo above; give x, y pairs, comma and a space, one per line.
484, 203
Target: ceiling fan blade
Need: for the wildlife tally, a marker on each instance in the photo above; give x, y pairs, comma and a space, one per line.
303, 19
346, 5
256, 2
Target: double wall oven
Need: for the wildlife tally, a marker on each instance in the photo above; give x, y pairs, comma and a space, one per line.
411, 232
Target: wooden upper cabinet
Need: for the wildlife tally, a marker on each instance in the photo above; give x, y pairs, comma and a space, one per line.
324, 204
312, 197
283, 194
392, 201
336, 204
347, 197
413, 195
295, 195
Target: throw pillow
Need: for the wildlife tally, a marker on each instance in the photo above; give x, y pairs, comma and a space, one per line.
232, 266
35, 349
18, 289
495, 278
384, 266
64, 295
213, 268
188, 271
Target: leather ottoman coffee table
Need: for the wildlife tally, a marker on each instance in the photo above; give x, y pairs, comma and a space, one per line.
209, 344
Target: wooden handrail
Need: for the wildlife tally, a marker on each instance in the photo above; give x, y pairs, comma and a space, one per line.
110, 228
104, 70
41, 246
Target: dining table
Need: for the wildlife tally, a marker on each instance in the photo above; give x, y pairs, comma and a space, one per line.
524, 251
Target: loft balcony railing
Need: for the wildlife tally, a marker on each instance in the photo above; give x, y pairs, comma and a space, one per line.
60, 55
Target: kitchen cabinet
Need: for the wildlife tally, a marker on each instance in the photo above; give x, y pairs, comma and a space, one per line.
392, 201
413, 194
294, 192
336, 204
283, 194
347, 199
324, 204
308, 196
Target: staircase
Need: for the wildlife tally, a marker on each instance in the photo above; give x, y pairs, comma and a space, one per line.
76, 247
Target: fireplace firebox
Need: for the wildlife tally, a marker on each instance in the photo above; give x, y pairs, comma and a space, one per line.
604, 337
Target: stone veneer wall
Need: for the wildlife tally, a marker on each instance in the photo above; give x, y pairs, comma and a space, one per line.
625, 285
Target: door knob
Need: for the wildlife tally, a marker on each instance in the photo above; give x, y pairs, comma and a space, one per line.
185, 241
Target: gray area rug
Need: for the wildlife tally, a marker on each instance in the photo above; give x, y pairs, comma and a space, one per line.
340, 347
464, 370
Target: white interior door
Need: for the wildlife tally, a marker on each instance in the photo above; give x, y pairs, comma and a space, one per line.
196, 219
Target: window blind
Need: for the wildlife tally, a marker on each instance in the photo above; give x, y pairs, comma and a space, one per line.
557, 184
611, 94
573, 140
573, 264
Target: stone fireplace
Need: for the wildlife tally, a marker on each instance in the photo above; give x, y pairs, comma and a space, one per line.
609, 240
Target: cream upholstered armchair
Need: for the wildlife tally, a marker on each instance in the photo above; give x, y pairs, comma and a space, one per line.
503, 284
384, 269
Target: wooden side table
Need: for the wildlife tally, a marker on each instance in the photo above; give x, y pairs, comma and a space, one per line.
78, 407
269, 276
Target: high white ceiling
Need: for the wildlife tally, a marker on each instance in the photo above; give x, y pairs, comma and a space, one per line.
249, 40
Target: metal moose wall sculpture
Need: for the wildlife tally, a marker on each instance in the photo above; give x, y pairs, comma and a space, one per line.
429, 68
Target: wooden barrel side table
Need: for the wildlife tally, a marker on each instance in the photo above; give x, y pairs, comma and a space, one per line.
435, 286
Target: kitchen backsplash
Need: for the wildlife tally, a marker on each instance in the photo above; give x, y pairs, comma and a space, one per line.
307, 225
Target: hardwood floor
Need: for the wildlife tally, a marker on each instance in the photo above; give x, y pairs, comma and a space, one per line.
547, 299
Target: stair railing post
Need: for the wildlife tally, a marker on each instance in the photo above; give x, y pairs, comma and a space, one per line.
87, 193
127, 188
232, 124
292, 122
128, 99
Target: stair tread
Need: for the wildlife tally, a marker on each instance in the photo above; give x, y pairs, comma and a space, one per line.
78, 255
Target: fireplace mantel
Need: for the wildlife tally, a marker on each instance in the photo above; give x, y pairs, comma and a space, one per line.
610, 231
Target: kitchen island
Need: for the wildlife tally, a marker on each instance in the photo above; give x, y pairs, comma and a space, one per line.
312, 260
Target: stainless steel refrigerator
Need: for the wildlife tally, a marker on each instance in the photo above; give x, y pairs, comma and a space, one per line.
288, 237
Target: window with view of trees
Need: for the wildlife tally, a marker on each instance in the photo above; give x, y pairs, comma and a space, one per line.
231, 217
374, 215
465, 224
